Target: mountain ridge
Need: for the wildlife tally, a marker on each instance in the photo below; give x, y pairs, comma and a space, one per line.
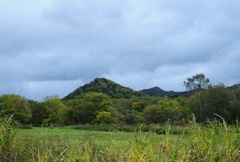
115, 90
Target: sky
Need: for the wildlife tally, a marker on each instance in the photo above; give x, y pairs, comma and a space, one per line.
50, 47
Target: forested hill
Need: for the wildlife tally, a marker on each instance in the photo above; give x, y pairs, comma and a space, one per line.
156, 91
114, 90
103, 85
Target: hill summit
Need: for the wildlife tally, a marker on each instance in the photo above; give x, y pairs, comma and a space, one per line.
106, 86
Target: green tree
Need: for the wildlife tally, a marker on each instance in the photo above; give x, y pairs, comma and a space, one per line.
126, 113
235, 105
90, 105
192, 103
218, 100
154, 114
55, 110
17, 105
197, 83
139, 106
166, 110
84, 112
105, 117
39, 112
235, 111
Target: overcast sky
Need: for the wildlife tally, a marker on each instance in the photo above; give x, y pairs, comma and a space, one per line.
52, 47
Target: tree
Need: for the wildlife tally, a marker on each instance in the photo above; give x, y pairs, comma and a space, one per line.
17, 105
39, 112
90, 105
84, 112
126, 113
235, 110
220, 100
235, 105
192, 103
154, 114
55, 110
166, 109
105, 117
197, 83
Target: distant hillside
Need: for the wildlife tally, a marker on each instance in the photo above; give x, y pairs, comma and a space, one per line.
158, 92
105, 86
234, 87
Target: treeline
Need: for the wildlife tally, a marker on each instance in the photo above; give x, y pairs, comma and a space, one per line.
207, 102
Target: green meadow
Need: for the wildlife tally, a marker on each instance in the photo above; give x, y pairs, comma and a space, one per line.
74, 137
214, 141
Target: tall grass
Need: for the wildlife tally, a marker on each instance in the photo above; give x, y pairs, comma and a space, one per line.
8, 139
215, 141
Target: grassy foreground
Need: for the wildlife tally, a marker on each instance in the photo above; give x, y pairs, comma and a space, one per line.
214, 142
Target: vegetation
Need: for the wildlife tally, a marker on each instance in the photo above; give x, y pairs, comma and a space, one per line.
158, 92
104, 102
105, 86
197, 83
159, 128
15, 104
215, 141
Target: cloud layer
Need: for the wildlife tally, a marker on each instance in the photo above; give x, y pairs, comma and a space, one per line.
52, 47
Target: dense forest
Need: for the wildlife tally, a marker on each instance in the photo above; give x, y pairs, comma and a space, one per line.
103, 101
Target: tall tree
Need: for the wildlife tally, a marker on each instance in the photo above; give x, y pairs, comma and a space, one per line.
197, 83
218, 100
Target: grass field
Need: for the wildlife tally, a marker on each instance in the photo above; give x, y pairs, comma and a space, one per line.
213, 142
76, 137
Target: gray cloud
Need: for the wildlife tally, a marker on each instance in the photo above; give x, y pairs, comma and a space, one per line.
58, 45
